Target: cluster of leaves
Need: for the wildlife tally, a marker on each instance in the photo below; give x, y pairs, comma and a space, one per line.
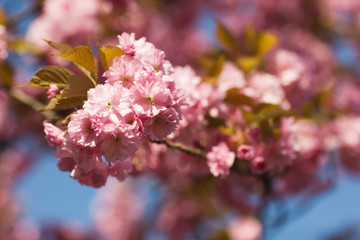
248, 56
74, 86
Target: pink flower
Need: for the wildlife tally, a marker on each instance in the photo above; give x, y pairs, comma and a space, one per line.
81, 129
106, 99
117, 211
245, 152
220, 159
65, 158
125, 70
186, 78
148, 54
289, 67
266, 88
348, 131
121, 169
258, 165
94, 178
151, 97
126, 43
53, 134
80, 22
157, 127
245, 228
119, 144
230, 77
52, 90
3, 44
307, 139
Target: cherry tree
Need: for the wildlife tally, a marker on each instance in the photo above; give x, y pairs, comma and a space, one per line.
229, 107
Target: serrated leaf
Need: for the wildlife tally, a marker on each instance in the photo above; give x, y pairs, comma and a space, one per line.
234, 97
248, 63
266, 42
225, 37
72, 96
51, 75
6, 74
83, 58
108, 53
77, 87
61, 47
21, 46
62, 104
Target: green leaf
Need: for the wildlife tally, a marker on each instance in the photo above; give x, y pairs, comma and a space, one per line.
266, 42
108, 53
62, 104
77, 87
2, 16
249, 116
51, 75
83, 58
248, 63
265, 112
61, 47
51, 105
234, 97
225, 37
266, 128
21, 46
227, 131
250, 39
6, 74
73, 95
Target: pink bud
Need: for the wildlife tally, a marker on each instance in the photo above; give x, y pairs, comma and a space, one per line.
52, 90
258, 165
245, 152
253, 134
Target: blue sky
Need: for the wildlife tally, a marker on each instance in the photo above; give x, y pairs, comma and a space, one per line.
49, 195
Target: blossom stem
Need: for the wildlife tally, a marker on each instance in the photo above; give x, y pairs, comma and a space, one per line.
181, 147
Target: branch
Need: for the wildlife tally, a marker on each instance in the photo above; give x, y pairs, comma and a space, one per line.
186, 149
32, 103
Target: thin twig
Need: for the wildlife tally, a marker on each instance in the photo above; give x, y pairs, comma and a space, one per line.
181, 147
29, 101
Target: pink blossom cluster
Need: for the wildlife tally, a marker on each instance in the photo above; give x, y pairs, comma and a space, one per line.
117, 211
65, 21
175, 30
138, 102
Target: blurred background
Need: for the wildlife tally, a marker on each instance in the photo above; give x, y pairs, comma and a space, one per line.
49, 200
